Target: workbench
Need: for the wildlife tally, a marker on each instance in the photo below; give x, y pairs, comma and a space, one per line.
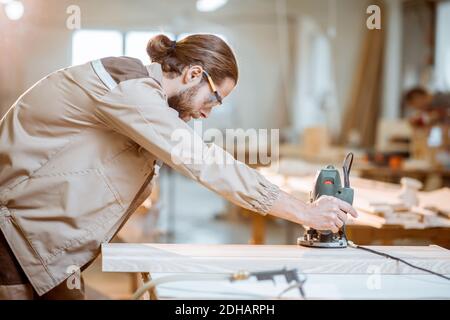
348, 273
368, 227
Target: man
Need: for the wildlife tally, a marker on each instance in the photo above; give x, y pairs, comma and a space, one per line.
79, 149
428, 109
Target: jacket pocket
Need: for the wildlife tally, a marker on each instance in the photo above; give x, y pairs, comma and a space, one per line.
65, 212
127, 172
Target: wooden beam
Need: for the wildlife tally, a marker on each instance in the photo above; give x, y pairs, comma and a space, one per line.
185, 258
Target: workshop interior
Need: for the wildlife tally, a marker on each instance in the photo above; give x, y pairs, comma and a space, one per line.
338, 99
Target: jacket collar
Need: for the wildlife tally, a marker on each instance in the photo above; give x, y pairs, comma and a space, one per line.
155, 71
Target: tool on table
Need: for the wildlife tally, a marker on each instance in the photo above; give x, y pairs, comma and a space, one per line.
328, 182
290, 275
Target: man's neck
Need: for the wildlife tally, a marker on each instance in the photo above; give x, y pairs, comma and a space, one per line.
170, 85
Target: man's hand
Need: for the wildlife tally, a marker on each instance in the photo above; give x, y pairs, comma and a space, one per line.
326, 213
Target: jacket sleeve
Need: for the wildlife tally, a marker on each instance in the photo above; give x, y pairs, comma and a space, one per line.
139, 109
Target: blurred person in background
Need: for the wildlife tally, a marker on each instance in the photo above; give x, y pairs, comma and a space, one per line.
426, 108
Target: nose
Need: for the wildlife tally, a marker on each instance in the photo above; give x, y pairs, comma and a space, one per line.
205, 113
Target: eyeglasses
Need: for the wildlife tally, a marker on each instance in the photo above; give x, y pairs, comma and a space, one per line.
213, 86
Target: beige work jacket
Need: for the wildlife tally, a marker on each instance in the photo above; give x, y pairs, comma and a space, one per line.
78, 151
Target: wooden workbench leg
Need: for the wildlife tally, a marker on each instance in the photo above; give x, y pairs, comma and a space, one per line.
135, 281
151, 294
258, 229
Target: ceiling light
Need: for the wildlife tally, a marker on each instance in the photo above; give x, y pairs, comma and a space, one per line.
14, 9
210, 5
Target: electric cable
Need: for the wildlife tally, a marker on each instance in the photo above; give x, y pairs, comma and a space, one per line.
197, 277
353, 245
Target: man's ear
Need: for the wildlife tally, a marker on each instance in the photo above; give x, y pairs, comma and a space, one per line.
193, 74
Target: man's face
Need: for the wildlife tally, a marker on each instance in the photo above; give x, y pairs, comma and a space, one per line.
420, 102
197, 100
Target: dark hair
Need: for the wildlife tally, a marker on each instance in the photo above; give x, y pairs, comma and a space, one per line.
414, 92
206, 50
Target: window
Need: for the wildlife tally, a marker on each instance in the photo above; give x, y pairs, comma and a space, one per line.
442, 67
136, 44
89, 45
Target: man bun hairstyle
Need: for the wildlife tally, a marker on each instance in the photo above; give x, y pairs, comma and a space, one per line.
206, 50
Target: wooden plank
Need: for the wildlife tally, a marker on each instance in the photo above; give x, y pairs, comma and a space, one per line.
438, 199
185, 258
387, 235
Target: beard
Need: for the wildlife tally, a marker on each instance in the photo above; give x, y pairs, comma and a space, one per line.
182, 102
